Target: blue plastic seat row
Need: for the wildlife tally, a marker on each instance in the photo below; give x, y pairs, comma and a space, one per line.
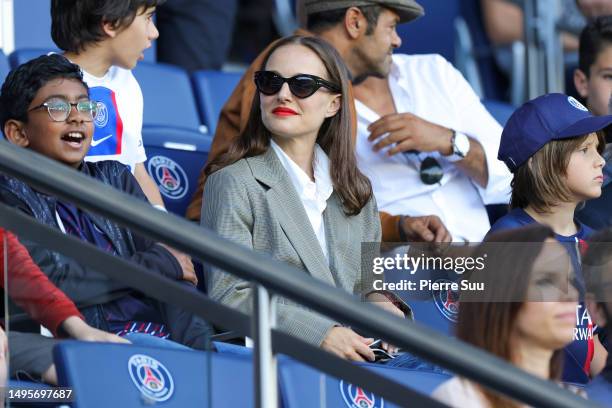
106, 375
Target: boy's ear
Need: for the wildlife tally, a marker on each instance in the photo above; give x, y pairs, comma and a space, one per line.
581, 82
109, 29
15, 132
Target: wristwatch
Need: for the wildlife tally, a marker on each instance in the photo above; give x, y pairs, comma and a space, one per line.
461, 146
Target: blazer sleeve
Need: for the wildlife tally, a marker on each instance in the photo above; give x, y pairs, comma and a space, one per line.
227, 210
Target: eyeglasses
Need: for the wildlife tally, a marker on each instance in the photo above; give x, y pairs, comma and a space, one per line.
301, 85
59, 109
430, 171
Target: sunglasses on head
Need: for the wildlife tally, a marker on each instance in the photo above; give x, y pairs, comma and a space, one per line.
300, 85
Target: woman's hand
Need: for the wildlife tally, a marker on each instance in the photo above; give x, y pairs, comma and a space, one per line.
78, 329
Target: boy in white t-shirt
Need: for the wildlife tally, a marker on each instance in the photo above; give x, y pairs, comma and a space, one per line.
107, 38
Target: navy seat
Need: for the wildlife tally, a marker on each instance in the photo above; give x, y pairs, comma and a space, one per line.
304, 387
501, 111
168, 97
30, 385
119, 375
432, 33
212, 90
22, 55
175, 157
4, 66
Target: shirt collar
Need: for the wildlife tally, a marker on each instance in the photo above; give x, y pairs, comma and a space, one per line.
322, 187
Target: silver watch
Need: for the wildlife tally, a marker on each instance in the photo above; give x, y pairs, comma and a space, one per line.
461, 146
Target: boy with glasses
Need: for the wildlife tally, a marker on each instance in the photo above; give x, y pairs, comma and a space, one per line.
45, 106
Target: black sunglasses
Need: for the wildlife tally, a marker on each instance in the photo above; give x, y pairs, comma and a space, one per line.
430, 171
301, 85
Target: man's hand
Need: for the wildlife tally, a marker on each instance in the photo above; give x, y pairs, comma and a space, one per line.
427, 228
410, 132
185, 262
78, 329
348, 345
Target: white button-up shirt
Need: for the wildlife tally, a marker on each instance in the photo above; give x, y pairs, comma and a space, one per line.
314, 194
430, 87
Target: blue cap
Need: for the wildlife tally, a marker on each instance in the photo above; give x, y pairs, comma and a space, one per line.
549, 117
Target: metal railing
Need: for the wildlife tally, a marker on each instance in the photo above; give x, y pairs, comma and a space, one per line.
279, 279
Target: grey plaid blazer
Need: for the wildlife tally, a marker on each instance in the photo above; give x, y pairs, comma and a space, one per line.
253, 202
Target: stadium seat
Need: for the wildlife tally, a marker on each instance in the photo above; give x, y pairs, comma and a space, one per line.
213, 89
4, 66
432, 33
299, 384
23, 55
29, 385
168, 97
126, 376
501, 111
175, 157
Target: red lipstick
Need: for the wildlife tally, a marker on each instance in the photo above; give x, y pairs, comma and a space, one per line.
283, 111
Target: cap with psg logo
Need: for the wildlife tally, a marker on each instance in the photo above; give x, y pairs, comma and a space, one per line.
549, 117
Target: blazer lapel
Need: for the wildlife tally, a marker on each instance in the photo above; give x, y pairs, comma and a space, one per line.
337, 232
287, 206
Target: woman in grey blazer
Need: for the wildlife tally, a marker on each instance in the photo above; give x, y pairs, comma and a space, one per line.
290, 187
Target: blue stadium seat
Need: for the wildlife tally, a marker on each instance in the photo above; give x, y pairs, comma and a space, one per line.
22, 55
168, 97
501, 111
30, 385
432, 33
175, 158
4, 66
126, 376
213, 89
301, 386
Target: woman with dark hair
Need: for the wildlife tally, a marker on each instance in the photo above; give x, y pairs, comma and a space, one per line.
525, 315
290, 187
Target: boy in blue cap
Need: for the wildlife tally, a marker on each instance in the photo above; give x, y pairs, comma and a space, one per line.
553, 146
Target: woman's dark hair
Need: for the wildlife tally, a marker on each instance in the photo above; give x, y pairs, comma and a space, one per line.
335, 135
489, 324
77, 23
22, 84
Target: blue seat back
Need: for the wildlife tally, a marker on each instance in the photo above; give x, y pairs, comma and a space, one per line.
212, 90
501, 111
494, 82
432, 33
168, 97
114, 375
23, 55
4, 66
304, 387
175, 157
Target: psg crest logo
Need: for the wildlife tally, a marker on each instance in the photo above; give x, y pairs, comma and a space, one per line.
447, 301
101, 118
356, 397
169, 176
151, 378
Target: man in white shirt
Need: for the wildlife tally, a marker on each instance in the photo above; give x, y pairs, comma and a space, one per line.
429, 146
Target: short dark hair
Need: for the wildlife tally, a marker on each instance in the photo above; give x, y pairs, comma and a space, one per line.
22, 84
76, 23
540, 183
318, 22
594, 38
